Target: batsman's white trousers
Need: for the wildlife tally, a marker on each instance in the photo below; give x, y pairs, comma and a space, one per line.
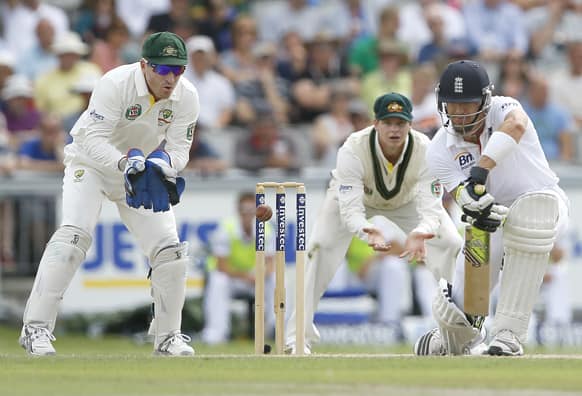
330, 240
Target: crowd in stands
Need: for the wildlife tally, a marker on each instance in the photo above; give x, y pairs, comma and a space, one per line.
284, 82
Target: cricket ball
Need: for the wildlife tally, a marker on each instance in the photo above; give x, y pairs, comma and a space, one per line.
264, 212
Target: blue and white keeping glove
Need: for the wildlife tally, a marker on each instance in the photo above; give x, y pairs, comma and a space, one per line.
135, 185
164, 184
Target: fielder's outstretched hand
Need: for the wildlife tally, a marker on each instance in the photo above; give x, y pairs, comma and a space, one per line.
414, 249
376, 240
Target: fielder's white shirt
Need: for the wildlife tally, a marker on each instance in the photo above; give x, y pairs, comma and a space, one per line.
122, 114
356, 181
526, 169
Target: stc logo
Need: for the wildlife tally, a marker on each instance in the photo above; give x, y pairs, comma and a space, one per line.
465, 159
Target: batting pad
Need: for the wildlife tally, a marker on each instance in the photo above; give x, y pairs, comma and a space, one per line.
458, 335
528, 237
168, 290
64, 253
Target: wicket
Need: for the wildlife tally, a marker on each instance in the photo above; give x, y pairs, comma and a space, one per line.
280, 293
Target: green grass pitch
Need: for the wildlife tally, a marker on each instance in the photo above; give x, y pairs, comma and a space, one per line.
118, 366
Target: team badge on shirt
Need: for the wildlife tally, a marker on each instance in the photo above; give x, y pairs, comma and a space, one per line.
133, 112
165, 116
436, 188
368, 190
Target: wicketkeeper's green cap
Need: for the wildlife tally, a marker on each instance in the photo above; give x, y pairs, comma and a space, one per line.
393, 105
165, 48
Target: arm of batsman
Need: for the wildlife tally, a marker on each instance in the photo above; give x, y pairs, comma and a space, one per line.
161, 163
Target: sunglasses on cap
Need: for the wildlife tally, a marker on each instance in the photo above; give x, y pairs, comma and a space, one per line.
163, 70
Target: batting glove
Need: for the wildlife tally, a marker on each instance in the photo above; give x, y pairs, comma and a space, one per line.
472, 196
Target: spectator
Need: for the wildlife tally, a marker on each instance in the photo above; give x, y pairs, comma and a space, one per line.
567, 85
293, 15
554, 124
332, 128
363, 55
217, 91
352, 21
7, 65
415, 29
178, 16
311, 92
136, 14
263, 88
84, 88
238, 63
94, 19
7, 165
53, 89
217, 24
265, 146
442, 47
40, 58
292, 57
513, 75
44, 153
359, 114
108, 53
495, 28
21, 20
425, 115
231, 271
204, 159
392, 76
21, 114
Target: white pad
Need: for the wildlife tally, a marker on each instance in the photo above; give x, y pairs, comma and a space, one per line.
528, 238
62, 256
168, 290
458, 335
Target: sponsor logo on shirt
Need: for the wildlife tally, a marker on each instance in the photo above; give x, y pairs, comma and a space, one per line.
508, 104
190, 131
96, 116
465, 159
165, 116
133, 112
436, 188
344, 188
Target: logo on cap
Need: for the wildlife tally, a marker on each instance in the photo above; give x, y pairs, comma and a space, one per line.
394, 107
458, 87
169, 51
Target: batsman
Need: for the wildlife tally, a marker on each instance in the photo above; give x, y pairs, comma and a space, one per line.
488, 155
147, 111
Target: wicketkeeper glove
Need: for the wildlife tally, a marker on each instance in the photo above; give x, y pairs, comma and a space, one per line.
136, 193
164, 184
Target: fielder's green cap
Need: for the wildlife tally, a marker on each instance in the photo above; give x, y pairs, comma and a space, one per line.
165, 48
393, 105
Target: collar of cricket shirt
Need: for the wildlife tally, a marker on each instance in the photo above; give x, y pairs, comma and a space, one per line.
377, 165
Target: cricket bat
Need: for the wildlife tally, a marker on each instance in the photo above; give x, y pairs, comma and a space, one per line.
476, 252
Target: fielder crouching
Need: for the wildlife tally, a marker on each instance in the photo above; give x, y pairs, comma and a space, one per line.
489, 140
139, 108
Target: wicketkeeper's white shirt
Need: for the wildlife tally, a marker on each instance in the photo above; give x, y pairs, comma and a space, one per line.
122, 114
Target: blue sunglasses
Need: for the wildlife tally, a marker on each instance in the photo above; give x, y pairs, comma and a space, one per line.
163, 70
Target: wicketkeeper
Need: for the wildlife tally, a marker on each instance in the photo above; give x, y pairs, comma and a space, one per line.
128, 147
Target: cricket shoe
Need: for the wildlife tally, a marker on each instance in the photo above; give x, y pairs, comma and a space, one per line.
37, 341
505, 343
175, 344
291, 350
431, 344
